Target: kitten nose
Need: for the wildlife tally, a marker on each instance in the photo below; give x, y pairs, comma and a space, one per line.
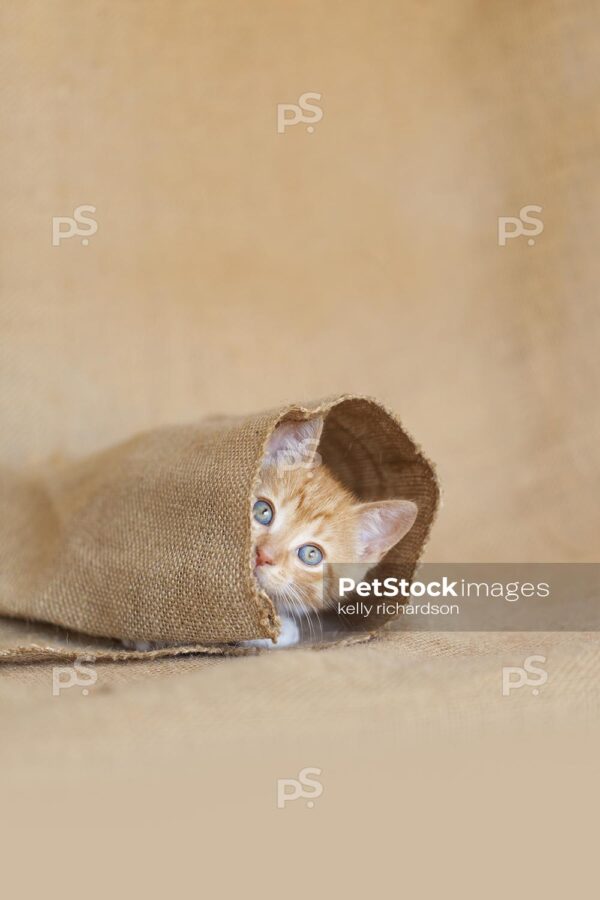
263, 558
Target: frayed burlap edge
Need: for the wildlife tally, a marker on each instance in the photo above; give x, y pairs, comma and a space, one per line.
60, 645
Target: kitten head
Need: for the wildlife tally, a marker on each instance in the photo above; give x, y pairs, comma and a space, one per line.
303, 517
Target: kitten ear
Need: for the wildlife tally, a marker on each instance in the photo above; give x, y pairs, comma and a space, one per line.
294, 444
383, 524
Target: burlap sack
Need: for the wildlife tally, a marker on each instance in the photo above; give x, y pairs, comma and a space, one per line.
150, 540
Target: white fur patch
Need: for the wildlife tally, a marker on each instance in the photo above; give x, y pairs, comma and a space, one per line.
288, 637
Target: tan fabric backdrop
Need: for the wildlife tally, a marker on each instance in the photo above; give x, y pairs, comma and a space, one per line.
236, 268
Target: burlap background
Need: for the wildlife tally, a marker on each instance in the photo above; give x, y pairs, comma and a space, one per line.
235, 268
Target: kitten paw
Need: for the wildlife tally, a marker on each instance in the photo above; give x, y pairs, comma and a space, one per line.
288, 637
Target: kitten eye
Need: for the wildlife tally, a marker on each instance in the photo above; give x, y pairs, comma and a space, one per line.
263, 512
310, 554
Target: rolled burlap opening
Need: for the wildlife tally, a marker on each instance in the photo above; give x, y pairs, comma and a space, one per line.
150, 540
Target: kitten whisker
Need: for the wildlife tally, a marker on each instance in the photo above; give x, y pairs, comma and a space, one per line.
286, 595
309, 613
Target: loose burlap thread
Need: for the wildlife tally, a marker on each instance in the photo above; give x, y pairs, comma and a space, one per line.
150, 540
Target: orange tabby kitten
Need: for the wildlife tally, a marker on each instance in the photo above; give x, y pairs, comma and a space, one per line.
303, 517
